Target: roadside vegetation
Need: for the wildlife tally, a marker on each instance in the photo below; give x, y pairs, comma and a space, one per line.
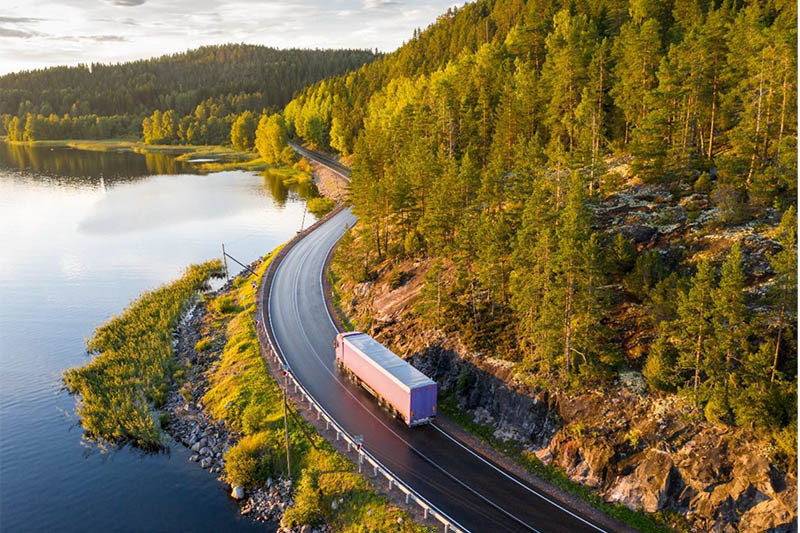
132, 366
244, 394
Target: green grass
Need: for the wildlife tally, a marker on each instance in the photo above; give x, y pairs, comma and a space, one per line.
243, 392
133, 366
660, 522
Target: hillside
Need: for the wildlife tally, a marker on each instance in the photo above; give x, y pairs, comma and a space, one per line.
101, 101
589, 198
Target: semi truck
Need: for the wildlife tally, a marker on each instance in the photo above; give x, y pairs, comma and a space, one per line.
404, 390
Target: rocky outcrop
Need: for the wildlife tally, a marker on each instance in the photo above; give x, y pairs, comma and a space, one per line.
649, 486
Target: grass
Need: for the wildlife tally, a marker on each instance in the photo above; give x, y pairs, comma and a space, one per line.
133, 366
243, 392
660, 522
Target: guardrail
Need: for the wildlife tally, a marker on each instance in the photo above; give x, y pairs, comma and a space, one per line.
429, 510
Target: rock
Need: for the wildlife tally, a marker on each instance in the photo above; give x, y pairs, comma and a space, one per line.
648, 486
196, 447
206, 451
205, 462
334, 505
194, 458
237, 493
305, 529
769, 515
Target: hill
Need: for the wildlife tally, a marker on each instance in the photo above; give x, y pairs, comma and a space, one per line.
585, 196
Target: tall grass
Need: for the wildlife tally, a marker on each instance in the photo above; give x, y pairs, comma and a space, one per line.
243, 392
132, 365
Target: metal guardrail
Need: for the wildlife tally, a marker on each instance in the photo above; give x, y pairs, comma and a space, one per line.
429, 510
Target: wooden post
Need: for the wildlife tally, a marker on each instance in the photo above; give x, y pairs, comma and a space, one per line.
225, 259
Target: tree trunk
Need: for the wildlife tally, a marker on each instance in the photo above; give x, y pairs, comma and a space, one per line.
777, 345
713, 116
568, 326
758, 119
697, 351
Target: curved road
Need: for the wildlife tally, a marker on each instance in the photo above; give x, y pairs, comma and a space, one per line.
471, 490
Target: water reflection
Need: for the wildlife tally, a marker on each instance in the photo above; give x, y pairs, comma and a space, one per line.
84, 233
88, 164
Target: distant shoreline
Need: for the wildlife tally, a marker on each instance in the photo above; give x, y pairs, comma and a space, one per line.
214, 157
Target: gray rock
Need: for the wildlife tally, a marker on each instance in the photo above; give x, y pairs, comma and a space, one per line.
196, 447
205, 462
194, 458
237, 493
206, 451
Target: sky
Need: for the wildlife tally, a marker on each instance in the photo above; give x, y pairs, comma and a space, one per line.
41, 33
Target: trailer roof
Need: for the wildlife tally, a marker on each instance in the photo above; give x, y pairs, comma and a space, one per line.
384, 358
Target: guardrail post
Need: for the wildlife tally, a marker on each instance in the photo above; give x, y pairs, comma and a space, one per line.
374, 471
446, 527
327, 424
390, 484
337, 434
408, 496
425, 513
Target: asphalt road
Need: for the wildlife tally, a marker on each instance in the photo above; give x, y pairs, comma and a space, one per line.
468, 488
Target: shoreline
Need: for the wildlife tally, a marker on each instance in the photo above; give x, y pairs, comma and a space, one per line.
204, 342
204, 158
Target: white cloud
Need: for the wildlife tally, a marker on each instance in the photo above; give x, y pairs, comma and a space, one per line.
116, 30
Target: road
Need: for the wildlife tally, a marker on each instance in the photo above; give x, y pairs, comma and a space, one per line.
462, 484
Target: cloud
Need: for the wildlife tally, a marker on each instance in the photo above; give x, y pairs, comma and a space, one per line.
19, 34
128, 3
19, 20
94, 38
380, 4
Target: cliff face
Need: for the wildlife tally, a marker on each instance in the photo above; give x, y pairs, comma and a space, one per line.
637, 447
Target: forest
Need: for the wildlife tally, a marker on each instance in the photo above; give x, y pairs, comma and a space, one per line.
100, 101
487, 145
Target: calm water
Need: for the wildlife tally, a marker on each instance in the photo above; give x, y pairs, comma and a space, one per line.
81, 235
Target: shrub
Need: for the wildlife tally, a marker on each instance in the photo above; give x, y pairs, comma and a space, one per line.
321, 206
254, 459
647, 271
203, 344
718, 410
731, 204
703, 184
659, 369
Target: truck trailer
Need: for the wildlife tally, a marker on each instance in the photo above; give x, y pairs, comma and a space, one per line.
406, 391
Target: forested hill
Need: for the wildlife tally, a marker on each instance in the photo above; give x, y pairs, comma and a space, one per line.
584, 189
237, 75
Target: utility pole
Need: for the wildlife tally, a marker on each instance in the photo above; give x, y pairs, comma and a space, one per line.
286, 422
225, 259
303, 220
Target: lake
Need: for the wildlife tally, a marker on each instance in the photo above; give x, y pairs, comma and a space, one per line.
82, 234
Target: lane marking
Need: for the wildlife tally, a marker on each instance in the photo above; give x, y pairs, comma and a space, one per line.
518, 482
378, 419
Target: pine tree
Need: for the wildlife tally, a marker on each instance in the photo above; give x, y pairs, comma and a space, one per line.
694, 324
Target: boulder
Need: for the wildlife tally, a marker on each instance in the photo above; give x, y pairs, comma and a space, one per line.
237, 493
205, 462
769, 515
649, 486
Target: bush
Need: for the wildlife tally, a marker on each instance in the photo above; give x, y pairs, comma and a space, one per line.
624, 254
718, 410
203, 344
731, 204
647, 271
254, 459
659, 369
703, 184
224, 305
321, 206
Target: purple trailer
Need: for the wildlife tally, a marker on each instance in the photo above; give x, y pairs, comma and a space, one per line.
403, 388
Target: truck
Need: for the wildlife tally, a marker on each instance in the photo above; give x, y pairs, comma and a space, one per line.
401, 388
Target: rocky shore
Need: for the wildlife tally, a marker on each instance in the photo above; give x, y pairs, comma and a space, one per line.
209, 439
